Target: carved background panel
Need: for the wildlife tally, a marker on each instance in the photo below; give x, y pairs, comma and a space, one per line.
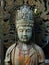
41, 23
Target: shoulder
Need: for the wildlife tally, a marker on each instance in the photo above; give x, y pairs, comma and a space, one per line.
40, 53
7, 56
39, 49
10, 48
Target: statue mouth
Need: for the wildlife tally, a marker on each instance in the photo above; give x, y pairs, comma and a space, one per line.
24, 37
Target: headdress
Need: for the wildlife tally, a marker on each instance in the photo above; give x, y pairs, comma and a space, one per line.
25, 16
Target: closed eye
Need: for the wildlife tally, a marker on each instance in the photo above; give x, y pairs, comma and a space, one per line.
20, 30
28, 30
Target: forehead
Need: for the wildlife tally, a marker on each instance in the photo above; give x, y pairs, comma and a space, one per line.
24, 27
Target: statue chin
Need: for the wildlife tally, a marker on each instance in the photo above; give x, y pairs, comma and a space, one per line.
25, 41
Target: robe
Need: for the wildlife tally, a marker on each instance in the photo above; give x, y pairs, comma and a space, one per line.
23, 54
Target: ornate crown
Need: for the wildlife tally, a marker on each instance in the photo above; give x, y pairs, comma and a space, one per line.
25, 16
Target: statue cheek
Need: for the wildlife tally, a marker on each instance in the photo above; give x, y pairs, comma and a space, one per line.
19, 35
30, 35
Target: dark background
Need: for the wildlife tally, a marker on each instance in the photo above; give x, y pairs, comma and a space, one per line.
7, 24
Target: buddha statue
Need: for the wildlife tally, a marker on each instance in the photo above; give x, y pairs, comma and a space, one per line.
26, 52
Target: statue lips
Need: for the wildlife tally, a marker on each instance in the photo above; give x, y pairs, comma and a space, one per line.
24, 37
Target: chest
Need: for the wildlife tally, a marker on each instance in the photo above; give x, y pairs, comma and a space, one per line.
24, 57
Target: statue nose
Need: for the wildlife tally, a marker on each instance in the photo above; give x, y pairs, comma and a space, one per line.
24, 32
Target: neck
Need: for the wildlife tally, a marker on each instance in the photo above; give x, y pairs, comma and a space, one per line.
26, 43
30, 43
24, 46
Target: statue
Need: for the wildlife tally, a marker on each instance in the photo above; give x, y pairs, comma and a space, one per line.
25, 52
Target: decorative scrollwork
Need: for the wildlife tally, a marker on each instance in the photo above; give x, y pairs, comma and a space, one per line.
41, 7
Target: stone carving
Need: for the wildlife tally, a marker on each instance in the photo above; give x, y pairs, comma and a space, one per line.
24, 51
41, 7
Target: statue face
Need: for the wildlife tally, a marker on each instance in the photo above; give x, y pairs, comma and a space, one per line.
24, 33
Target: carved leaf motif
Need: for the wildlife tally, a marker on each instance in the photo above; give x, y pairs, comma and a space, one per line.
45, 14
40, 6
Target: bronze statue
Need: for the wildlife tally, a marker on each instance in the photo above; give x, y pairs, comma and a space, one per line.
25, 52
